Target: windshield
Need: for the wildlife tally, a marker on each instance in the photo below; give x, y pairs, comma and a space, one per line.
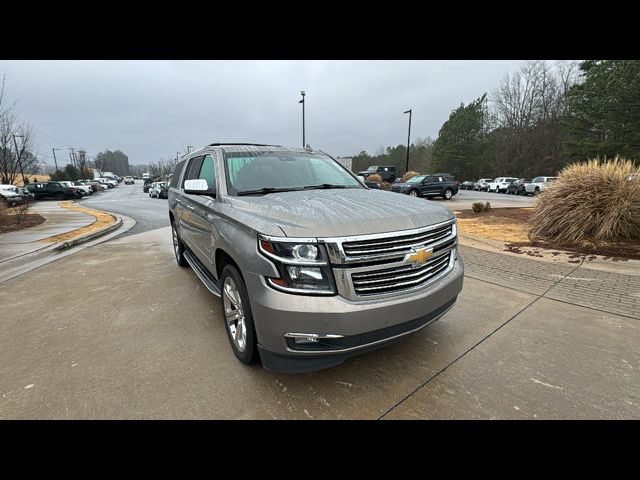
281, 170
538, 180
416, 179
372, 169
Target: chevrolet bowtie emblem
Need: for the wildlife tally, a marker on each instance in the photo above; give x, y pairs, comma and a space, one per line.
418, 257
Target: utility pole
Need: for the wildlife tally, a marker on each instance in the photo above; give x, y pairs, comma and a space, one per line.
189, 147
71, 156
55, 160
302, 102
177, 156
19, 155
406, 169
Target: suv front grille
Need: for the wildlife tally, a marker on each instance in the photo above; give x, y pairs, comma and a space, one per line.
396, 246
395, 279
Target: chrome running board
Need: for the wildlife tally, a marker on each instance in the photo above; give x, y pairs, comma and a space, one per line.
202, 273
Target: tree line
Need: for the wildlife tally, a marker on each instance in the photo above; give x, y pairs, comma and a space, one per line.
538, 119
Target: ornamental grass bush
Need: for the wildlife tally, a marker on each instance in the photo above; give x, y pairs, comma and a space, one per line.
374, 178
409, 174
592, 202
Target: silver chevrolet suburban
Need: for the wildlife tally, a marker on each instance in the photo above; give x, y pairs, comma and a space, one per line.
311, 265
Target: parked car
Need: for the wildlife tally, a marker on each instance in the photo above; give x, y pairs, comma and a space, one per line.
388, 174
158, 190
467, 185
86, 189
55, 190
499, 184
538, 185
516, 187
482, 184
311, 266
147, 184
433, 185
10, 195
106, 182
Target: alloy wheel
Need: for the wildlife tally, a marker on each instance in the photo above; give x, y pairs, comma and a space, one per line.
234, 315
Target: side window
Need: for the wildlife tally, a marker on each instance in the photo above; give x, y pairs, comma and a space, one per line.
176, 174
208, 171
193, 169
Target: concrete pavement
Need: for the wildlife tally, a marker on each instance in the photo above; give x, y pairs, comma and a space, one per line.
140, 337
58, 220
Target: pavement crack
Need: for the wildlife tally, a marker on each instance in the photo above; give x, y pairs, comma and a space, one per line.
499, 327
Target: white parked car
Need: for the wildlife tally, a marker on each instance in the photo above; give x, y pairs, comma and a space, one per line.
500, 184
85, 188
155, 191
482, 184
538, 185
10, 195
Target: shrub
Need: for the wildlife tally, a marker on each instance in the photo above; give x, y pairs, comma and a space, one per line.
479, 207
385, 186
409, 174
374, 178
590, 202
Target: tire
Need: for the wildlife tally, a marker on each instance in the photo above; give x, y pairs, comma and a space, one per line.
536, 191
178, 247
413, 193
59, 196
239, 326
448, 193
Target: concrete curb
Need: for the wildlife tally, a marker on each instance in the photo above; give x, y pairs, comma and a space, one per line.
90, 236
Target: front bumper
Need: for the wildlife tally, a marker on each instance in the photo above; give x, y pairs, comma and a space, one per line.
357, 326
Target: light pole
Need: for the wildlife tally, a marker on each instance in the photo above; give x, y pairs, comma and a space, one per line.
18, 155
189, 147
55, 160
406, 168
302, 102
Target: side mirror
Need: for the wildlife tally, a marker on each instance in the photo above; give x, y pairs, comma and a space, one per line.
361, 179
198, 187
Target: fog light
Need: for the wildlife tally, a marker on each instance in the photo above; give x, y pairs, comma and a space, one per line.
303, 340
304, 273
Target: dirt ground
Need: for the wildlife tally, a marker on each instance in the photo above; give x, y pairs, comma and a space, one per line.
8, 221
509, 225
502, 224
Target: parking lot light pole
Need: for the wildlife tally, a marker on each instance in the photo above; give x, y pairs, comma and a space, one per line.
406, 168
302, 102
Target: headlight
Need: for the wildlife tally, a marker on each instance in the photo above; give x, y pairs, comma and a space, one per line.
302, 265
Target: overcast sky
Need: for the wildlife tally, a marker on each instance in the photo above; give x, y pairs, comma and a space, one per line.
153, 109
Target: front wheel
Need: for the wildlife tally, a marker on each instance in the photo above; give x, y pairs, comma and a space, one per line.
59, 196
238, 318
448, 193
413, 193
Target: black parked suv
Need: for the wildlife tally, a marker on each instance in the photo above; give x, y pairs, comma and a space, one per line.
388, 174
516, 187
55, 190
432, 185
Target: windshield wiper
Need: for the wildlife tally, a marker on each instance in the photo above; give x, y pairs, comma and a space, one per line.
265, 190
324, 186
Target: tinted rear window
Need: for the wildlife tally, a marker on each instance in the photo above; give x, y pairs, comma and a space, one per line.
176, 174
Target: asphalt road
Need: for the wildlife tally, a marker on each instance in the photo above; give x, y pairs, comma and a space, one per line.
130, 200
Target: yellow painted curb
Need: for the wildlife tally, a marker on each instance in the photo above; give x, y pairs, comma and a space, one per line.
102, 220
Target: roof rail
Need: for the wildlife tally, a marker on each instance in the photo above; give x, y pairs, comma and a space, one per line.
252, 144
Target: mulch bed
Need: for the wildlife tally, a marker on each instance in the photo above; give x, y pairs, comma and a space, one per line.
8, 222
616, 251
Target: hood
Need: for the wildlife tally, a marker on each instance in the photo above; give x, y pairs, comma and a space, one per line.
334, 212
